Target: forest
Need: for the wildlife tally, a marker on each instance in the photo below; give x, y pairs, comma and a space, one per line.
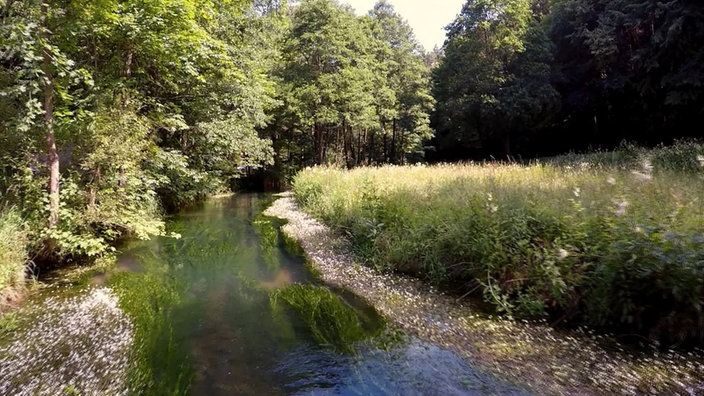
114, 113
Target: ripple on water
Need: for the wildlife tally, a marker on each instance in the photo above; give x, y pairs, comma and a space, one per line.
413, 368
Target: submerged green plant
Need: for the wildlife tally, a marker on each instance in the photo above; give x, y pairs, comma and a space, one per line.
329, 318
158, 364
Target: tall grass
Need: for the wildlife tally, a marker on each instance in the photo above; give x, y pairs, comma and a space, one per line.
617, 245
13, 253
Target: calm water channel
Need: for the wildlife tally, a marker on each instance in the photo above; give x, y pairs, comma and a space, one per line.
226, 309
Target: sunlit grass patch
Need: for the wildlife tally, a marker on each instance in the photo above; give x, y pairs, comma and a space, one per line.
13, 253
617, 244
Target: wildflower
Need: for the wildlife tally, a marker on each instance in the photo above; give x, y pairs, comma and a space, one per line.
644, 177
700, 158
562, 254
493, 208
621, 205
576, 192
647, 165
611, 181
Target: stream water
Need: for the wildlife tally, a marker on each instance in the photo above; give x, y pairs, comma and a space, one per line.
227, 309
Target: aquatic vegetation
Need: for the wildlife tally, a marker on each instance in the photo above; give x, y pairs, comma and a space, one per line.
77, 344
267, 231
157, 364
330, 319
616, 245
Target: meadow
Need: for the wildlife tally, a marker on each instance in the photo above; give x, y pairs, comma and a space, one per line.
613, 240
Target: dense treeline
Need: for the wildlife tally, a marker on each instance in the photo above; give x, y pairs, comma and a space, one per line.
538, 77
353, 90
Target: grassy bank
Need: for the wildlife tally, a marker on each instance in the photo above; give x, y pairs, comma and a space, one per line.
13, 254
612, 240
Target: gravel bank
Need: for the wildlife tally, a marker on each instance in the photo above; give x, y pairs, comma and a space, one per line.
78, 345
547, 361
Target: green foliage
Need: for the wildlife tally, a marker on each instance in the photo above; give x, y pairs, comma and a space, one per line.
156, 105
353, 90
615, 245
629, 63
494, 78
13, 250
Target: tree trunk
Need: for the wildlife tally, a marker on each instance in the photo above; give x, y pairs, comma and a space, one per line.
370, 153
392, 154
127, 72
52, 152
506, 143
92, 197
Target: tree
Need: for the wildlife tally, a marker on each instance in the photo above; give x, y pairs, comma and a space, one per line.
354, 90
405, 112
494, 79
630, 69
41, 82
134, 98
325, 75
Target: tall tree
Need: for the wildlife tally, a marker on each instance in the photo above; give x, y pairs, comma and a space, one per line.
133, 97
354, 90
630, 69
494, 79
326, 74
41, 83
406, 111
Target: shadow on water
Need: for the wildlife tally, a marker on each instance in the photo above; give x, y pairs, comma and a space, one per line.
226, 309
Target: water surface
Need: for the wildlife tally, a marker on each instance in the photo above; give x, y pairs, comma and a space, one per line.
225, 309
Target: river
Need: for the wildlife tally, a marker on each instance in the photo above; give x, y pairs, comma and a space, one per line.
229, 308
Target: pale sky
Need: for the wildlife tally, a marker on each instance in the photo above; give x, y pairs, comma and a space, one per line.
427, 17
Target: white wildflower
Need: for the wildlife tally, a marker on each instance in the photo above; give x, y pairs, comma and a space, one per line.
700, 158
562, 254
621, 206
647, 165
644, 177
611, 181
576, 192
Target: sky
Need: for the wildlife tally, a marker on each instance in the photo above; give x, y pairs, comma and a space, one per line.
427, 17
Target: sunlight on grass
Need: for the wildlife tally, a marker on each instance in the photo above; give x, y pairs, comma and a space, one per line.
617, 243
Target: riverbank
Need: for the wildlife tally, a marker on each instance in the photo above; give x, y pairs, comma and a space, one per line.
71, 344
544, 359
